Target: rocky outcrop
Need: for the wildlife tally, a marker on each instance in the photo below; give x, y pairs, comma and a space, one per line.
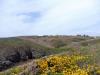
12, 56
5, 64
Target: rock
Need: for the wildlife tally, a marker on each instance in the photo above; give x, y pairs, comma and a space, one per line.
14, 57
5, 65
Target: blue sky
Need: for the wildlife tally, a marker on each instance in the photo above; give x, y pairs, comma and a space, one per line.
49, 17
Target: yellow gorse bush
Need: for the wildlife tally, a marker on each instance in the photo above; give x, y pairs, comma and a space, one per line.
64, 65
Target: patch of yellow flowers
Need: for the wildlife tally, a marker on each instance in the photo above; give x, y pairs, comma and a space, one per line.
64, 65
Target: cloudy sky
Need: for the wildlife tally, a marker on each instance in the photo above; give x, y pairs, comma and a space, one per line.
49, 17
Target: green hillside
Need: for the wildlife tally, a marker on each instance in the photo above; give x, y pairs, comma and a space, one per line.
16, 50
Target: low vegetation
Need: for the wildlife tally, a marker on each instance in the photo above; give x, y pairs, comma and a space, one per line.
61, 64
50, 55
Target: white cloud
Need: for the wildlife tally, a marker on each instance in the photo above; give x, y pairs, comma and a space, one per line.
66, 16
55, 16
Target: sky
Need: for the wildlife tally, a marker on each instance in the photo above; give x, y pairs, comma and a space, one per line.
49, 17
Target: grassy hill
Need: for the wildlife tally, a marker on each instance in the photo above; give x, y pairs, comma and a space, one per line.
20, 49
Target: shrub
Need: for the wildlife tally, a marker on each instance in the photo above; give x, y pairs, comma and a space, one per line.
58, 43
62, 65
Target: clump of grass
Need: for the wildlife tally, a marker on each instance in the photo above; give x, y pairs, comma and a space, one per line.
12, 71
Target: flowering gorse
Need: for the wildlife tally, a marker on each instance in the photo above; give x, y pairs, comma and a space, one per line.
64, 65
